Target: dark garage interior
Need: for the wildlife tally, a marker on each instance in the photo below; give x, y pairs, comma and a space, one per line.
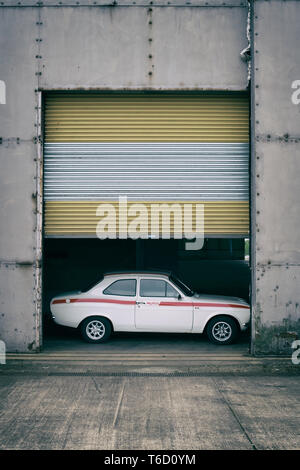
74, 263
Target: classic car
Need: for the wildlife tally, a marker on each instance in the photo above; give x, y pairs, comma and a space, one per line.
149, 302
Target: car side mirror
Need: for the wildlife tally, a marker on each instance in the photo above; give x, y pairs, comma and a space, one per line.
179, 297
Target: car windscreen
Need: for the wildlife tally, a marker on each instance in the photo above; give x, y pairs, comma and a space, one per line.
185, 289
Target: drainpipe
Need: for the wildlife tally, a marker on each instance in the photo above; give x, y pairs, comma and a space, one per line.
246, 53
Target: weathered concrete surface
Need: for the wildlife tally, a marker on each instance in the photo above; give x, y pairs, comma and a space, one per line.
278, 202
127, 3
275, 176
18, 201
155, 364
18, 67
127, 353
110, 48
277, 58
17, 246
199, 48
17, 319
18, 153
149, 412
277, 320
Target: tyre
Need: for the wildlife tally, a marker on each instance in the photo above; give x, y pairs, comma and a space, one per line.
95, 329
222, 330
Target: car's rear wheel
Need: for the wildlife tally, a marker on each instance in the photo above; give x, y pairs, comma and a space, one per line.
222, 330
95, 329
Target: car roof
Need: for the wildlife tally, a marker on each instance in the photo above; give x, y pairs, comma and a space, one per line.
138, 273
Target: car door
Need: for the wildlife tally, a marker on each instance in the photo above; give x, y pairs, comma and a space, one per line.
159, 308
119, 301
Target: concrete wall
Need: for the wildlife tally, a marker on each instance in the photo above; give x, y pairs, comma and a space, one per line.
19, 322
91, 45
109, 47
275, 176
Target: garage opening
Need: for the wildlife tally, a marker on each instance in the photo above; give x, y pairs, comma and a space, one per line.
150, 148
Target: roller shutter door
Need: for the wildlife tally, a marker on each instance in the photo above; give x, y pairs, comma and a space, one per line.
150, 147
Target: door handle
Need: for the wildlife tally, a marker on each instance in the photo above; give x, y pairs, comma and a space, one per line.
139, 303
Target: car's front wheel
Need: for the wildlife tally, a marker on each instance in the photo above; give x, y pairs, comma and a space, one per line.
95, 329
222, 330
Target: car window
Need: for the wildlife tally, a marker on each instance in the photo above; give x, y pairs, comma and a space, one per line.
170, 291
156, 288
126, 287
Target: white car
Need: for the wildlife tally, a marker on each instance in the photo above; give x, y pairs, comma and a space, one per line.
149, 302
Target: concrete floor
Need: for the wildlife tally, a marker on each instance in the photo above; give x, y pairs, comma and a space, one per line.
149, 413
147, 392
60, 339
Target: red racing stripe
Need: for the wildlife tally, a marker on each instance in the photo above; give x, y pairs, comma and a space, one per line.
201, 304
163, 304
110, 301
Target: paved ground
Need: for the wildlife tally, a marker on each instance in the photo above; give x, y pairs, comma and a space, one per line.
117, 412
149, 392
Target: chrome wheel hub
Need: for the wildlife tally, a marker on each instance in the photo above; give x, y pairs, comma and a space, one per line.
95, 329
221, 331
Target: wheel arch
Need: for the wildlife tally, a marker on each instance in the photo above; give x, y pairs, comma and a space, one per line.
97, 316
222, 315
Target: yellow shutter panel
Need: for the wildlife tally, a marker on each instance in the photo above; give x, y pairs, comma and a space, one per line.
150, 147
